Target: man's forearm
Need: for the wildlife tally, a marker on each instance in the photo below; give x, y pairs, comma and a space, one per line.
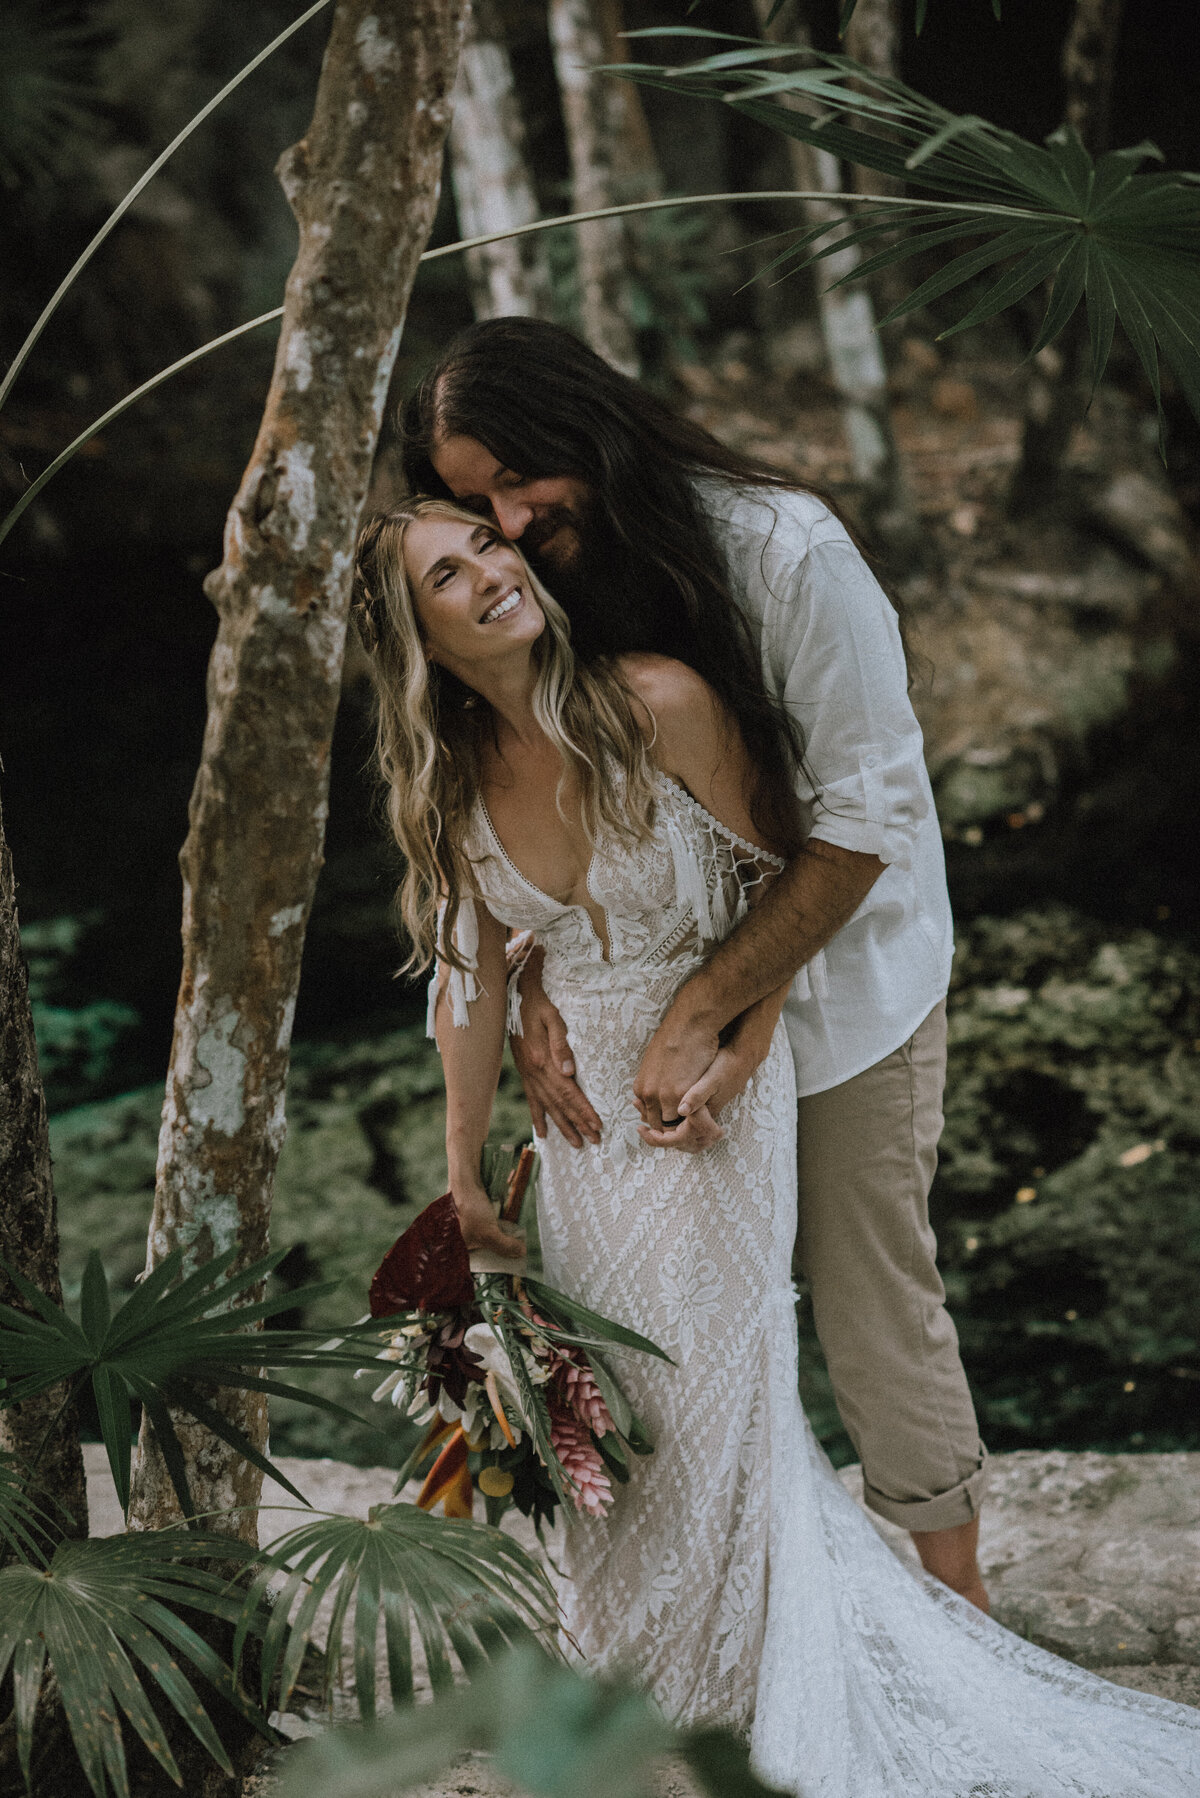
818, 892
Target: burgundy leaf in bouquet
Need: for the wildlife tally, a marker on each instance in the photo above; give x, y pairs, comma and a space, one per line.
427, 1267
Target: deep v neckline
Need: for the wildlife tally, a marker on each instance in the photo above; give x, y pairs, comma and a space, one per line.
563, 905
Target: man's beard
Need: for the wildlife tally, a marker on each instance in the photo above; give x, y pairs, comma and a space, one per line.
606, 589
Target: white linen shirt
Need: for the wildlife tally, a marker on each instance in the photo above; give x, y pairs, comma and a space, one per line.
831, 650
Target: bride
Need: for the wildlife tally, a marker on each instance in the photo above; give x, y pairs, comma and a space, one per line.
613, 811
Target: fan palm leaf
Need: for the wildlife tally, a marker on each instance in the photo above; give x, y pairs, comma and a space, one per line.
22, 1520
169, 1345
1120, 238
466, 1588
105, 1614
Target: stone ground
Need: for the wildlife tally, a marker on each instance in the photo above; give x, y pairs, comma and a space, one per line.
1096, 1557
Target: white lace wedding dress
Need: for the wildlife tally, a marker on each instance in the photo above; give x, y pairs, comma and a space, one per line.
734, 1575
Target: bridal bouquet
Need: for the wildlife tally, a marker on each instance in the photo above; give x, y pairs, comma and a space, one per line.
509, 1375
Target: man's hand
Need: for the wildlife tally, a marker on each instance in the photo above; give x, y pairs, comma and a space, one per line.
728, 1075
546, 1065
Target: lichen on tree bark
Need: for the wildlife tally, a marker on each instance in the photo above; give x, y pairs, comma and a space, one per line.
40, 1433
363, 184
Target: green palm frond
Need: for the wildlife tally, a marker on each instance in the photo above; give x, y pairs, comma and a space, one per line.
465, 1587
168, 1346
1122, 239
104, 1614
552, 1731
22, 1520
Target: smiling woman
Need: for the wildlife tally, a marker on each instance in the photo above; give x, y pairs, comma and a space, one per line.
463, 639
471, 594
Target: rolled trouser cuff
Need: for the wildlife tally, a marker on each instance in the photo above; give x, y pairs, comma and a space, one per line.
945, 1511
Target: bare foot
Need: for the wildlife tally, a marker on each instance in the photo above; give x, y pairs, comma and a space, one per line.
952, 1556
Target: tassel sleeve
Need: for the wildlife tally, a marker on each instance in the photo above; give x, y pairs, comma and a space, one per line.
691, 885
520, 948
461, 987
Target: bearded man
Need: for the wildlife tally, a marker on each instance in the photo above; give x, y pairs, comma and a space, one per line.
656, 537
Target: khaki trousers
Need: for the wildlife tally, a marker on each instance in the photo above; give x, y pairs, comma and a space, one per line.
868, 1151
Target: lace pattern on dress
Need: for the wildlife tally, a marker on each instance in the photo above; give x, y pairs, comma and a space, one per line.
734, 1576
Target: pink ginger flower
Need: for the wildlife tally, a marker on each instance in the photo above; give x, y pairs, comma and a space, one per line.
572, 1443
577, 1386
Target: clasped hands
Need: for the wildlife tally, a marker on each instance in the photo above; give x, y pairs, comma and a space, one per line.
687, 1074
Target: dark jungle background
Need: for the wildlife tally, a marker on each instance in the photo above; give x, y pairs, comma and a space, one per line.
1057, 685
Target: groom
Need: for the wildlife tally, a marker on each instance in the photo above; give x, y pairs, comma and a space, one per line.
643, 526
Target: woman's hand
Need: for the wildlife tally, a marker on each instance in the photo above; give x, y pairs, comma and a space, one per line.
700, 1130
481, 1227
546, 1065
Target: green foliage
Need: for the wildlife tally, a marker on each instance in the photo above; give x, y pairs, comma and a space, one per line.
105, 1614
75, 1044
40, 51
1127, 242
1074, 1076
167, 1347
22, 1520
365, 1150
49, 108
552, 1731
466, 1588
673, 277
1068, 1202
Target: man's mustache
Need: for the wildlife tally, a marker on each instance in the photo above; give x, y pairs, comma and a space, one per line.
539, 531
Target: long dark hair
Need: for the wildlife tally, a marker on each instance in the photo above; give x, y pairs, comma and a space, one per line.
542, 403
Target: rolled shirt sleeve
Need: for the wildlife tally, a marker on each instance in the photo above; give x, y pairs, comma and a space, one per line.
831, 649
838, 662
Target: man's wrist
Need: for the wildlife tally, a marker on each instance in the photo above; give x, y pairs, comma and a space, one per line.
697, 1009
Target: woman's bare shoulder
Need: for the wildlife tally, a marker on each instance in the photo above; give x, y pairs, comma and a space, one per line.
686, 724
669, 688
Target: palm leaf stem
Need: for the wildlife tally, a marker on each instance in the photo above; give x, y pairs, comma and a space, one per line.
987, 212
81, 262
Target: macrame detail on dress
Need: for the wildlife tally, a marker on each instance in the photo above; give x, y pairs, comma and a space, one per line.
734, 1575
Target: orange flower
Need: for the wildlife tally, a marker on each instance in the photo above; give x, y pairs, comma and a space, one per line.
448, 1481
492, 1388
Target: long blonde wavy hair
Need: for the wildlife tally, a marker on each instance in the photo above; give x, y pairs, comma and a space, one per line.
432, 727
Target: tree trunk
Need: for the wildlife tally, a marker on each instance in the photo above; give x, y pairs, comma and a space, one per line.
1088, 65
43, 1436
852, 344
493, 188
612, 163
1058, 394
363, 185
873, 38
